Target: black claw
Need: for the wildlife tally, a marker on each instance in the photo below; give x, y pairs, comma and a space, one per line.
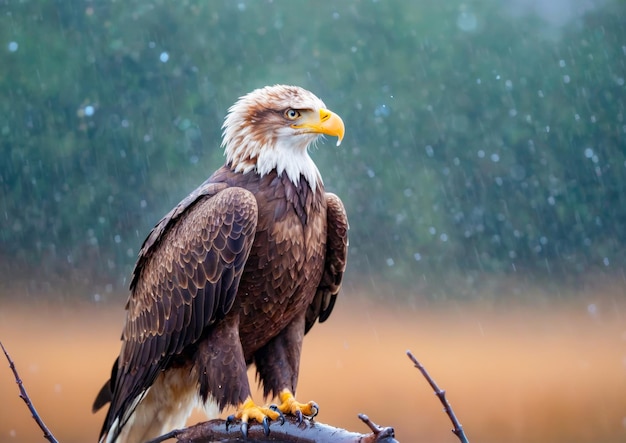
281, 417
299, 416
316, 409
229, 421
244, 429
266, 426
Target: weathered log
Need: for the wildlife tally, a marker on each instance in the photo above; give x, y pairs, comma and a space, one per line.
308, 431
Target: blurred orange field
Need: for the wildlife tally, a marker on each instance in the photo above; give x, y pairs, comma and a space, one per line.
538, 372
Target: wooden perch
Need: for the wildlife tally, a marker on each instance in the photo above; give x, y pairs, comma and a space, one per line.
307, 431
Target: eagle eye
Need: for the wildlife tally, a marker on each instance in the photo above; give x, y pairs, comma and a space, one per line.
292, 114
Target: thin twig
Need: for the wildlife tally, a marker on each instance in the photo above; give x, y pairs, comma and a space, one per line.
24, 396
381, 433
441, 394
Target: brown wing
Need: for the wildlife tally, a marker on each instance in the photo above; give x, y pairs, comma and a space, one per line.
186, 278
334, 264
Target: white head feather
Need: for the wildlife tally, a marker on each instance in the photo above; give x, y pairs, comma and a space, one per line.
257, 136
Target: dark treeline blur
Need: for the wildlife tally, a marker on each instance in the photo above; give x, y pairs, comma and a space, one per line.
482, 136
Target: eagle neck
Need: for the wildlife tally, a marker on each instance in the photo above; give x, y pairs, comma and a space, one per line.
292, 161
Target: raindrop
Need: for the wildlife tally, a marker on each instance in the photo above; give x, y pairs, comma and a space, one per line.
417, 256
467, 21
566, 79
606, 261
589, 153
371, 173
143, 204
495, 158
551, 201
164, 57
117, 238
481, 153
97, 297
592, 309
432, 230
508, 85
13, 46
89, 110
429, 150
390, 262
381, 111
443, 237
335, 15
241, 6
562, 63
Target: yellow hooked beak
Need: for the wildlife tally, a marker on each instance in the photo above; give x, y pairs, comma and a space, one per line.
327, 123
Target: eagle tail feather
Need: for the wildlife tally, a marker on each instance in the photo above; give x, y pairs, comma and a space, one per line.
166, 405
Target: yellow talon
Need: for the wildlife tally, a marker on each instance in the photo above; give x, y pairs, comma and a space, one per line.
249, 410
289, 405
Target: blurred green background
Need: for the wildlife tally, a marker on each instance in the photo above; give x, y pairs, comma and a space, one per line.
483, 171
482, 136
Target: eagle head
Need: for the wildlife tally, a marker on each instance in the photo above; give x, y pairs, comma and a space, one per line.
272, 128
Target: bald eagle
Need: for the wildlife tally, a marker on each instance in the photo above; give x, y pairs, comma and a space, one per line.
236, 274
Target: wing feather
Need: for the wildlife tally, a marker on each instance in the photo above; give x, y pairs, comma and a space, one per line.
185, 279
334, 264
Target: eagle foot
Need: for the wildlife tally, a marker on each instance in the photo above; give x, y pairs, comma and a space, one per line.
289, 405
249, 410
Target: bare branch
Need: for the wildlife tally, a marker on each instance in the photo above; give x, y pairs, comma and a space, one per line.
441, 394
379, 432
306, 432
24, 396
